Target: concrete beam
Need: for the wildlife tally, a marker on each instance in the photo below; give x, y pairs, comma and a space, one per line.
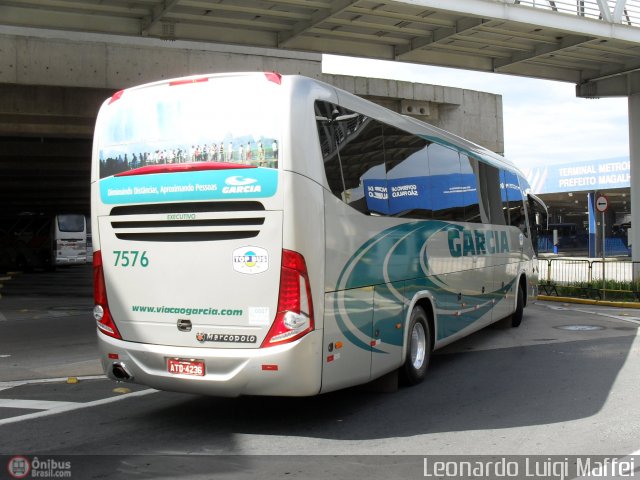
38, 111
616, 85
106, 64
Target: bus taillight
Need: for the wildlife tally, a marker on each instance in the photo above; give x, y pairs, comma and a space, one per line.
116, 96
101, 309
294, 318
274, 77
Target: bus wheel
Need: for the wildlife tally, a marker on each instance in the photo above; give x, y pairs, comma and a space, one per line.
516, 318
418, 348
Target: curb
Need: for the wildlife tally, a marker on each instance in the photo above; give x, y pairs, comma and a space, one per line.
585, 301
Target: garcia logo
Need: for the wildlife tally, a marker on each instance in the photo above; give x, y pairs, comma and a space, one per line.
463, 242
238, 184
250, 260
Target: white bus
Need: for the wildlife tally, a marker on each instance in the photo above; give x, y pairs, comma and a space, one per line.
69, 233
273, 235
41, 241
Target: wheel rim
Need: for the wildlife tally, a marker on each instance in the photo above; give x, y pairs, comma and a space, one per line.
418, 346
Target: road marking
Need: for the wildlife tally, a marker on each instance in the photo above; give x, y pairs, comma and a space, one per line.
617, 317
5, 356
2, 317
35, 381
33, 404
74, 406
623, 318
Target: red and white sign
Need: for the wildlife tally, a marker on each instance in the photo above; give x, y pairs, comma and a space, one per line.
602, 203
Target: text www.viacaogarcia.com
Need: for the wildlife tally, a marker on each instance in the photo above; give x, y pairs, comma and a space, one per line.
224, 312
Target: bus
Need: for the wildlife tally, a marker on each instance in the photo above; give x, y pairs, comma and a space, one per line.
25, 241
267, 234
30, 240
69, 232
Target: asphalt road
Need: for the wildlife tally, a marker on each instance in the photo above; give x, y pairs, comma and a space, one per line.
564, 383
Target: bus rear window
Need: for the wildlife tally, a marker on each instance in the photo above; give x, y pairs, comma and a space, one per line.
71, 223
228, 119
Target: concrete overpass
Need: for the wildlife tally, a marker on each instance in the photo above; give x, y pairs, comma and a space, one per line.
53, 82
578, 41
594, 44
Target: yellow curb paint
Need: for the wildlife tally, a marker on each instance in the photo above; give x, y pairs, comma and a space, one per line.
72, 380
121, 390
586, 301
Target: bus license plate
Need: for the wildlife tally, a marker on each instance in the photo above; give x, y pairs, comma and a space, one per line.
181, 366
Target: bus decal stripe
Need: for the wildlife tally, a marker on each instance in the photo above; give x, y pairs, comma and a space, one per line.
189, 186
397, 266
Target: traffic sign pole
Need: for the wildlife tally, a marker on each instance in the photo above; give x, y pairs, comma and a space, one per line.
602, 204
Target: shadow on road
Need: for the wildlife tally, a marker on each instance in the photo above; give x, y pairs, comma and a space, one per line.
494, 389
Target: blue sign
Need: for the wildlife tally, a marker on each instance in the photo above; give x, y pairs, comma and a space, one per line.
185, 186
580, 176
376, 194
436, 192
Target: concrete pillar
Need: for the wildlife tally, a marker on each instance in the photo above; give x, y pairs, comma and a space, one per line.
634, 154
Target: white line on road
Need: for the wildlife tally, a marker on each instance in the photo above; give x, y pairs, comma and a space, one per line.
74, 406
2, 317
33, 404
609, 315
623, 318
19, 383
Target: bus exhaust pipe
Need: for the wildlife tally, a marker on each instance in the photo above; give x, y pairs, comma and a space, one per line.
120, 372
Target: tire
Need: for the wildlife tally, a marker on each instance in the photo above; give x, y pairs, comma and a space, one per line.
414, 369
516, 318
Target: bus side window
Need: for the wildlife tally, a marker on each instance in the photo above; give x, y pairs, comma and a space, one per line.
352, 146
513, 200
362, 157
328, 147
469, 173
537, 219
527, 228
447, 198
408, 178
490, 194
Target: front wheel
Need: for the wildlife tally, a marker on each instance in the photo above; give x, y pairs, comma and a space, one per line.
416, 362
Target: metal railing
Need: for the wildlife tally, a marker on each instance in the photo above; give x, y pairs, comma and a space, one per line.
620, 11
603, 279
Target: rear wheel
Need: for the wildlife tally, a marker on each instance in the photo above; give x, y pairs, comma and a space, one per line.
418, 348
516, 318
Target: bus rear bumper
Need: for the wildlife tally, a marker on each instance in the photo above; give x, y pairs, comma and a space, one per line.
80, 260
287, 370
